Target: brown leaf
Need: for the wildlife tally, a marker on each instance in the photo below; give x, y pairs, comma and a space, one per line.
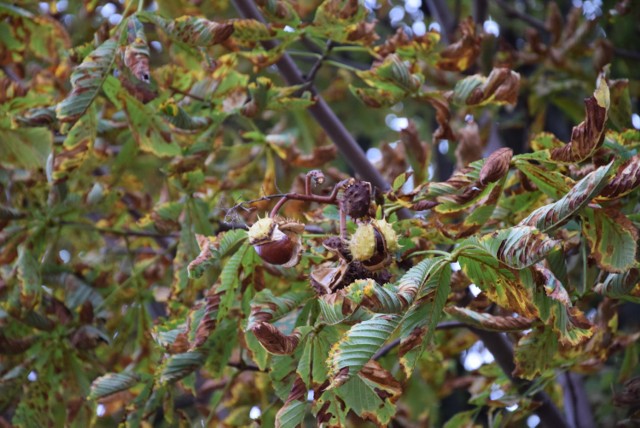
462, 54
365, 33
470, 145
630, 395
626, 179
14, 346
502, 85
410, 138
208, 322
388, 388
586, 137
319, 157
86, 312
275, 341
496, 166
490, 322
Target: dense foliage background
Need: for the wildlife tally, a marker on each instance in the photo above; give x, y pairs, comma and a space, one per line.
140, 140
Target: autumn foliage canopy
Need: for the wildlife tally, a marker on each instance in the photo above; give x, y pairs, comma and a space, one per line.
319, 212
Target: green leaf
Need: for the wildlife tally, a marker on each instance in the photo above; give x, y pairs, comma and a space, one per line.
551, 183
358, 345
29, 278
151, 132
535, 353
229, 281
86, 81
372, 393
179, 366
112, 383
612, 238
550, 216
25, 148
295, 407
502, 285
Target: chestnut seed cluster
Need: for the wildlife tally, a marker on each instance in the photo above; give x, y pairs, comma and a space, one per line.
364, 255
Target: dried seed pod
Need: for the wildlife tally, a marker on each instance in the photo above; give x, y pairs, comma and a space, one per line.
338, 246
356, 199
327, 278
277, 241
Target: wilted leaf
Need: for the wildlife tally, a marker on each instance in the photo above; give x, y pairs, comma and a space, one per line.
372, 394
275, 341
520, 246
500, 87
588, 135
534, 353
627, 178
86, 81
496, 166
291, 415
462, 54
190, 30
488, 321
555, 309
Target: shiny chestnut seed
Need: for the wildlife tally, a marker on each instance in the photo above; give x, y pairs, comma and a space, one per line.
277, 241
277, 252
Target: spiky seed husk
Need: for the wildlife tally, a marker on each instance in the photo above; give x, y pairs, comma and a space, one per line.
363, 242
390, 236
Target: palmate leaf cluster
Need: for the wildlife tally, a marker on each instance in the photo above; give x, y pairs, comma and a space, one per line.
134, 154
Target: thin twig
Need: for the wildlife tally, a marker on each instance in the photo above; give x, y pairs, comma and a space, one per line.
242, 366
512, 12
445, 325
502, 351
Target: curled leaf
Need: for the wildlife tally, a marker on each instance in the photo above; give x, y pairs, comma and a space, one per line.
496, 166
488, 321
588, 135
626, 179
625, 286
524, 246
275, 341
501, 86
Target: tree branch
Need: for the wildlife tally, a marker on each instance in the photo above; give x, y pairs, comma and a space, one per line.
502, 351
320, 111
